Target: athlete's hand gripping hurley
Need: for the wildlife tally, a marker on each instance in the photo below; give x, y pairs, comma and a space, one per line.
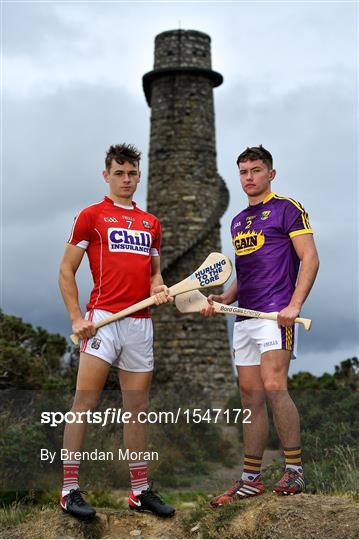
215, 270
194, 301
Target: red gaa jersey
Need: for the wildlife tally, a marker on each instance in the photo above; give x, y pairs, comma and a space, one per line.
119, 242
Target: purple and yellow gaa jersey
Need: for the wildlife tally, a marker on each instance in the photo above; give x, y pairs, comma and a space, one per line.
266, 262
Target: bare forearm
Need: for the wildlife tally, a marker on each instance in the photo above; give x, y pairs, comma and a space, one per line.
306, 277
230, 295
70, 293
156, 281
71, 260
227, 297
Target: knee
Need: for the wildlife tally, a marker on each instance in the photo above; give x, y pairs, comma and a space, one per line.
84, 402
251, 397
136, 406
275, 387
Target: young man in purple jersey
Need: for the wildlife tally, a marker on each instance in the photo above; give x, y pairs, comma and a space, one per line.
276, 265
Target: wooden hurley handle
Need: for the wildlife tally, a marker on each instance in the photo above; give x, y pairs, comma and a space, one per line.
215, 270
116, 316
222, 308
194, 301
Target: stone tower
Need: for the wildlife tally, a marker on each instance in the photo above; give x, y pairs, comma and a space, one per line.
187, 194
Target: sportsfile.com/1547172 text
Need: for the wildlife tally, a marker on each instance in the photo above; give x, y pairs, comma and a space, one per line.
120, 416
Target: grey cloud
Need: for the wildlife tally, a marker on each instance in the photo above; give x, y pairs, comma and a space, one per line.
63, 180
314, 145
319, 362
31, 27
55, 149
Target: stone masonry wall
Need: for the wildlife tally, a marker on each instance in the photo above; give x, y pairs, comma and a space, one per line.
187, 194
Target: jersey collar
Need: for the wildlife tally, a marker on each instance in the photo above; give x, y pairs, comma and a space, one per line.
265, 200
268, 197
132, 207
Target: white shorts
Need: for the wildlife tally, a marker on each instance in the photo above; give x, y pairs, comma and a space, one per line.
253, 337
125, 344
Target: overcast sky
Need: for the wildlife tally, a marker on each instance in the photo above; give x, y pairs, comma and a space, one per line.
72, 85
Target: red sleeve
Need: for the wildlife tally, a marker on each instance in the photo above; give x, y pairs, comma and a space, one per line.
81, 228
156, 243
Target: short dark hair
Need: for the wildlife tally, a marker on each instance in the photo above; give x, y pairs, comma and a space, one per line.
121, 153
256, 152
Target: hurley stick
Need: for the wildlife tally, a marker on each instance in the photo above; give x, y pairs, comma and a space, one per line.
194, 301
215, 270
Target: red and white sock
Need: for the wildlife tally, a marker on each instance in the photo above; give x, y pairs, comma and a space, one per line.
71, 476
138, 475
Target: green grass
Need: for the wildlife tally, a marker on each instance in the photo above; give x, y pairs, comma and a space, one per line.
196, 516
175, 498
211, 523
13, 514
336, 473
105, 499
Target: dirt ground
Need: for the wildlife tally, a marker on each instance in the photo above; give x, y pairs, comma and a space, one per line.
269, 516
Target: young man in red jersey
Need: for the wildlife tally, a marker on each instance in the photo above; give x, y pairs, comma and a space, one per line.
122, 243
276, 264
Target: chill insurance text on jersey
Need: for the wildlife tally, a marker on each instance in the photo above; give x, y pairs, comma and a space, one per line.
119, 242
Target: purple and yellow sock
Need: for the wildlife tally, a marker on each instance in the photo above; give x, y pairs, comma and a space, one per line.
251, 468
293, 459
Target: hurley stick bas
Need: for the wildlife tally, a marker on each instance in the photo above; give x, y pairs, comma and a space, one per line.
194, 301
215, 270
